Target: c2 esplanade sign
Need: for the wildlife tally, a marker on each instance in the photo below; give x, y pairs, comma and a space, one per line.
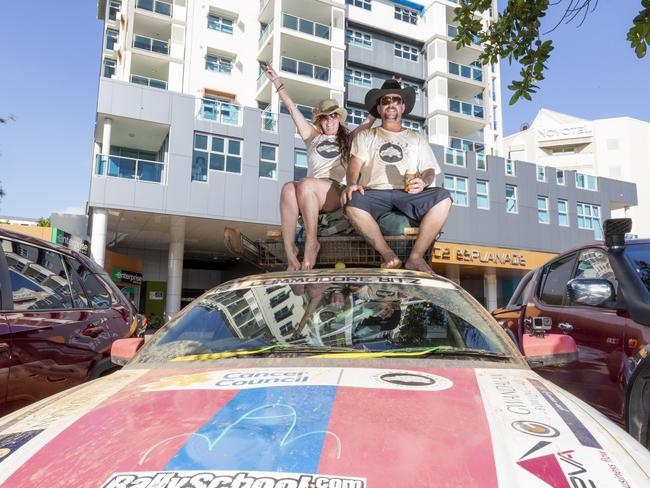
488, 256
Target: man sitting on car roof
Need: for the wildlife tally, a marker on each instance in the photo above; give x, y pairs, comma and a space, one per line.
392, 168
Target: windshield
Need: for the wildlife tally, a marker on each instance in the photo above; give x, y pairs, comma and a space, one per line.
639, 255
362, 314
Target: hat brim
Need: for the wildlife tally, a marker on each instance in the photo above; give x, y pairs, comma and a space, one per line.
373, 96
343, 115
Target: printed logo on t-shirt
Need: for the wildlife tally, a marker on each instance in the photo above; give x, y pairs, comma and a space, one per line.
391, 153
328, 150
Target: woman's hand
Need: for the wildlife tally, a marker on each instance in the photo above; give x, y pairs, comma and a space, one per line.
271, 74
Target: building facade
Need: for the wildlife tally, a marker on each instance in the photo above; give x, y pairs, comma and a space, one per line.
615, 148
190, 138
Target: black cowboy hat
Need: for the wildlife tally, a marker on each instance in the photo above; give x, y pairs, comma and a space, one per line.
390, 86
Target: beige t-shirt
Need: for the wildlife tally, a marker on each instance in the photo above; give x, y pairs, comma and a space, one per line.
388, 155
324, 159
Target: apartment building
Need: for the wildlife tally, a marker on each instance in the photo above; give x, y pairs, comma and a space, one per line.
191, 138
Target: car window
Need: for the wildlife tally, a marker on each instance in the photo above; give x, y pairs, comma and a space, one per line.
594, 263
556, 276
38, 278
523, 290
95, 291
639, 255
79, 298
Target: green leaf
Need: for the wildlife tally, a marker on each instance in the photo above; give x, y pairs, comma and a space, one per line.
640, 50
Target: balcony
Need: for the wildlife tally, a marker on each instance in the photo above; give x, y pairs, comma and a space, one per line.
219, 111
306, 26
452, 31
269, 121
129, 168
150, 44
152, 82
264, 36
469, 72
156, 6
466, 108
302, 68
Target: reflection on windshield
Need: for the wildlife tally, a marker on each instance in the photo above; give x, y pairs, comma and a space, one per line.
375, 317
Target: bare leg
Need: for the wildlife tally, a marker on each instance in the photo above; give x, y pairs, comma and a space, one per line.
314, 196
369, 230
289, 218
431, 224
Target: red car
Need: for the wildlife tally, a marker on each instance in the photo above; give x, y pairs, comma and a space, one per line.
598, 294
59, 315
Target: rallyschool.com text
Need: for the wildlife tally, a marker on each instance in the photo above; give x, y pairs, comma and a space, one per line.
212, 479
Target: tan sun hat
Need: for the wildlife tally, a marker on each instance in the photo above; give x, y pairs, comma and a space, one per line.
327, 107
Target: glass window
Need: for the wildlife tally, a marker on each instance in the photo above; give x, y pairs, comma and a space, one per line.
79, 298
639, 256
219, 23
299, 164
541, 173
457, 186
224, 155
111, 38
510, 167
556, 276
563, 213
406, 52
358, 38
268, 161
305, 110
356, 116
511, 199
218, 64
542, 210
406, 15
589, 218
523, 290
109, 68
454, 157
113, 8
364, 4
482, 195
481, 162
586, 182
358, 77
96, 292
594, 263
560, 177
411, 124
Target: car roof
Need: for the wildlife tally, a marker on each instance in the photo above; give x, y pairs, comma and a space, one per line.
41, 243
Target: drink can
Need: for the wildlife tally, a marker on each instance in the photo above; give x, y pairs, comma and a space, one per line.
408, 176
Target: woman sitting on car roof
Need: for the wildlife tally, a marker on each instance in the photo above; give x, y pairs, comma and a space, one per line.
328, 150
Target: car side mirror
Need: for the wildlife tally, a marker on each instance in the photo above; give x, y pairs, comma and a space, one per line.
590, 291
123, 350
549, 349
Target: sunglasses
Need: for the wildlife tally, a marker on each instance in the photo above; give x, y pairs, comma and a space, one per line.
387, 99
332, 116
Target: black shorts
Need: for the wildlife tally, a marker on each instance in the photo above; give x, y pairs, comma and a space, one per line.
414, 205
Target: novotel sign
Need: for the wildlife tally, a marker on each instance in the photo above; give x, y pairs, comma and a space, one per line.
565, 131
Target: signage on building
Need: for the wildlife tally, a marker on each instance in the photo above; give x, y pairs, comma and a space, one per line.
488, 256
156, 295
71, 242
565, 131
121, 276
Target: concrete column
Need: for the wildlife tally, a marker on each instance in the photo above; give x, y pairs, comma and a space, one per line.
453, 273
490, 286
106, 136
98, 235
175, 265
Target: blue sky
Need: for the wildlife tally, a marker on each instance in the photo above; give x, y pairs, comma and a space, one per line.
49, 65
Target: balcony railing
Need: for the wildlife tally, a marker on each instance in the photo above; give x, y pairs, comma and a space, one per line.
306, 26
263, 4
465, 71
303, 68
222, 112
466, 108
452, 31
266, 33
260, 80
152, 82
129, 168
269, 121
157, 6
149, 44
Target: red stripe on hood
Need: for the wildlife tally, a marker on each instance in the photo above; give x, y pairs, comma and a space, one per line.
412, 438
116, 435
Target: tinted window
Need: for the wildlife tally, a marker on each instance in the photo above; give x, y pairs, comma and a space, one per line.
556, 276
639, 255
95, 291
79, 298
38, 279
594, 263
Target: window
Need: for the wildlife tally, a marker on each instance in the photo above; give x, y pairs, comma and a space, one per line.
406, 84
542, 210
556, 276
481, 162
405, 51
356, 116
457, 186
586, 182
511, 199
589, 218
594, 263
358, 77
299, 164
79, 298
109, 68
411, 124
563, 151
219, 23
96, 292
111, 38
560, 177
268, 161
541, 173
358, 38
113, 8
364, 4
216, 153
218, 64
510, 167
406, 15
454, 157
482, 195
305, 110
563, 213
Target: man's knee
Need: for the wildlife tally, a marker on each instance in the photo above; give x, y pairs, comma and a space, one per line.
355, 213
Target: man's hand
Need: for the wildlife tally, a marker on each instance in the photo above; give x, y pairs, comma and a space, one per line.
346, 196
416, 185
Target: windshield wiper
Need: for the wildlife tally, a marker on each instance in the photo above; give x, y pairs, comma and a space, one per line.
269, 350
421, 352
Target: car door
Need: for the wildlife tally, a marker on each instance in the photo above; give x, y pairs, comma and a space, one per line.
599, 332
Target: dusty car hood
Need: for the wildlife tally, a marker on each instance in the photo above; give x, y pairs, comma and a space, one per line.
301, 427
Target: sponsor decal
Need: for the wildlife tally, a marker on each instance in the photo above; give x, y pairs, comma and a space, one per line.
242, 379
391, 153
328, 150
615, 469
563, 469
10, 442
229, 479
538, 429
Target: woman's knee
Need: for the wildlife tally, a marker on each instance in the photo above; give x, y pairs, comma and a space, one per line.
304, 187
289, 190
